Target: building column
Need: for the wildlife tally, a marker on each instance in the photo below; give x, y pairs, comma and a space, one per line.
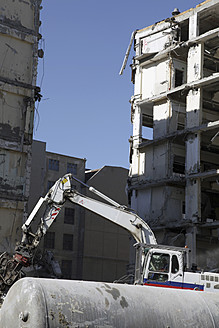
193, 141
191, 243
137, 138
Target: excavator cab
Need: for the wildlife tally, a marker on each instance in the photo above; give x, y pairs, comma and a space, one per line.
164, 268
161, 266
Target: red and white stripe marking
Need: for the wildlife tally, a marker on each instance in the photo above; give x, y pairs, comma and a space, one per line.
55, 213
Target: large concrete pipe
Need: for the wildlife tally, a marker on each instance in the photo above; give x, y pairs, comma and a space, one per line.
47, 303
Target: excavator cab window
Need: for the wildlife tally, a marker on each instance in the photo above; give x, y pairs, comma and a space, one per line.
159, 267
175, 264
159, 262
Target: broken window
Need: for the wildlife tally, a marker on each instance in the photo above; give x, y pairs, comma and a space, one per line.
181, 121
179, 165
179, 72
147, 133
211, 59
178, 77
208, 20
72, 168
184, 30
67, 242
49, 240
183, 207
53, 164
69, 216
133, 73
66, 269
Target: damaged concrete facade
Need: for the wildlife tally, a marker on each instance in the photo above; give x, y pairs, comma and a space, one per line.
173, 179
19, 36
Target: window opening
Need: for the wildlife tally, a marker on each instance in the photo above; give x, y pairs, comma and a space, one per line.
178, 77
66, 269
179, 165
147, 133
183, 207
49, 240
53, 164
50, 184
69, 216
209, 21
184, 30
72, 168
67, 242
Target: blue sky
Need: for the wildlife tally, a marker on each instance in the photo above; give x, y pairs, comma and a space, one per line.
85, 110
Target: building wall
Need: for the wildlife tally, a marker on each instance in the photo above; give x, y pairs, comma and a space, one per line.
99, 250
38, 173
106, 246
65, 236
174, 171
19, 25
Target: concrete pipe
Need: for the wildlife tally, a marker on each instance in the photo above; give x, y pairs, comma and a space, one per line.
47, 303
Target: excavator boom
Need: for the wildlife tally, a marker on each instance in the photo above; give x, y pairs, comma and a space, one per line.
61, 191
118, 215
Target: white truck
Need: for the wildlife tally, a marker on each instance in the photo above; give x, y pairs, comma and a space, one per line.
156, 265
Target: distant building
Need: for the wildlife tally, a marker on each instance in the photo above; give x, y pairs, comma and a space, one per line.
65, 237
106, 246
86, 246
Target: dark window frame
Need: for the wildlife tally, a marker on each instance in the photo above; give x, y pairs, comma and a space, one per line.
72, 168
50, 184
179, 75
66, 267
53, 164
68, 240
69, 215
49, 240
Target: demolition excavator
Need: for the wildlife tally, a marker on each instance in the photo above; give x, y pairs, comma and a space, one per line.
156, 265
40, 303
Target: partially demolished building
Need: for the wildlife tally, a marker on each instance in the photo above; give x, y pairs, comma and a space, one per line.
19, 37
174, 175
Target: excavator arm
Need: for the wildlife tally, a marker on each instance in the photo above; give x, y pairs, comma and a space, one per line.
119, 215
62, 190
114, 212
11, 266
